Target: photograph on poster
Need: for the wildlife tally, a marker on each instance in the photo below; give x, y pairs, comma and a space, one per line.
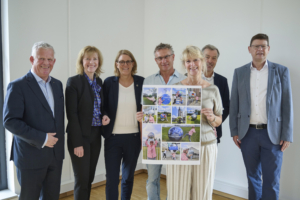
181, 133
151, 141
193, 115
190, 151
149, 96
164, 96
193, 97
171, 151
150, 114
164, 114
179, 96
178, 115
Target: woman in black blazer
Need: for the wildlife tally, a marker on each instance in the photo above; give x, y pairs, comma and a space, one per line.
86, 116
122, 94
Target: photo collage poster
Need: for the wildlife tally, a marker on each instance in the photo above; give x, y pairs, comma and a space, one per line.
171, 124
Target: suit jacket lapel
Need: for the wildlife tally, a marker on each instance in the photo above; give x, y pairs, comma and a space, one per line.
56, 96
89, 88
136, 86
115, 88
247, 82
271, 80
217, 80
33, 84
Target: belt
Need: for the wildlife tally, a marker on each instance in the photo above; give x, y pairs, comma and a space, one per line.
258, 126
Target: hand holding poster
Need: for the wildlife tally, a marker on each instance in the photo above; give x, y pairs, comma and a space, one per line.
171, 124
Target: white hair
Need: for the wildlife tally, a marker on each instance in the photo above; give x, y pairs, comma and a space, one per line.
38, 45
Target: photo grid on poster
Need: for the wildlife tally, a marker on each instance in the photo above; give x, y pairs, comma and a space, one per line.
171, 124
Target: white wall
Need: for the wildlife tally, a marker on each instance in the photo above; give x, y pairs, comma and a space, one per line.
229, 25
69, 26
139, 26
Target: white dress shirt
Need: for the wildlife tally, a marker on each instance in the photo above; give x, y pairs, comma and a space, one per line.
258, 92
47, 91
209, 79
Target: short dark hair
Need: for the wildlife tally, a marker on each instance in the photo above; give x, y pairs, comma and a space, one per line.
260, 36
163, 46
212, 48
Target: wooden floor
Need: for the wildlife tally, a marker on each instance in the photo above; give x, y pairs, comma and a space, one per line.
139, 191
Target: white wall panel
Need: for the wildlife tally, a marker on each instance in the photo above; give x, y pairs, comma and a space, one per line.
139, 26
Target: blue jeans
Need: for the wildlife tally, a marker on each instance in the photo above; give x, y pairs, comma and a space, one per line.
153, 182
262, 158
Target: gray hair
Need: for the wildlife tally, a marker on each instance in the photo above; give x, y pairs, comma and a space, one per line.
163, 46
38, 45
211, 47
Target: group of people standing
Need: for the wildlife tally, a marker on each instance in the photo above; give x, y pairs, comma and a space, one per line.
261, 121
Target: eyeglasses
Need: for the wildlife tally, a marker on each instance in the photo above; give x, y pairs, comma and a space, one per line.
161, 58
192, 61
122, 62
256, 47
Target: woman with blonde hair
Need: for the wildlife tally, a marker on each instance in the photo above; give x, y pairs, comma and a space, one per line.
84, 106
196, 181
122, 94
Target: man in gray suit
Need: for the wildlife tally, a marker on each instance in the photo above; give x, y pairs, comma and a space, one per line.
261, 118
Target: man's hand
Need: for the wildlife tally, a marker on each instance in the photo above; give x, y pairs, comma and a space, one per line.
51, 140
78, 151
237, 141
285, 145
105, 120
139, 116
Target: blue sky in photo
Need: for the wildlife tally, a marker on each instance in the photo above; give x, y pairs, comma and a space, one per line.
162, 91
164, 109
183, 90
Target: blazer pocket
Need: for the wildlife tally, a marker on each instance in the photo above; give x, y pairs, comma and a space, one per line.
279, 119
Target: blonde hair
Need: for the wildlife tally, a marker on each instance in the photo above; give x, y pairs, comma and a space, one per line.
193, 52
128, 53
87, 51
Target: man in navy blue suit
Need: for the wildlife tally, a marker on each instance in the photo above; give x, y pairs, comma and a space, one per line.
34, 113
211, 54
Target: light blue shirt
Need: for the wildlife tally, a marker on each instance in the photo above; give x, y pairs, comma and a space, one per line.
157, 79
47, 91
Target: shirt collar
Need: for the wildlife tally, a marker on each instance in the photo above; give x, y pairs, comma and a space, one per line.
176, 73
264, 67
39, 79
91, 82
208, 78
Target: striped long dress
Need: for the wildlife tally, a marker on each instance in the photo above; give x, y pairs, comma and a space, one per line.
195, 182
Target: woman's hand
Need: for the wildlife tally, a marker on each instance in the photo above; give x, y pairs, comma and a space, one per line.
208, 112
139, 116
105, 120
78, 151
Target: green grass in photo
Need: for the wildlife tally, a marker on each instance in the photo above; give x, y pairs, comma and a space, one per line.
157, 149
189, 121
147, 101
195, 137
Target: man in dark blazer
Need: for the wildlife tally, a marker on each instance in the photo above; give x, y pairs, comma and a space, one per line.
211, 54
34, 113
261, 118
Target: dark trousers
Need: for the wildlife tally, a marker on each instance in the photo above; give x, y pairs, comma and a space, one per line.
85, 167
117, 148
262, 159
43, 184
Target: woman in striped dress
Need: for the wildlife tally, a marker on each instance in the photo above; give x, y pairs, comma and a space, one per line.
195, 182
